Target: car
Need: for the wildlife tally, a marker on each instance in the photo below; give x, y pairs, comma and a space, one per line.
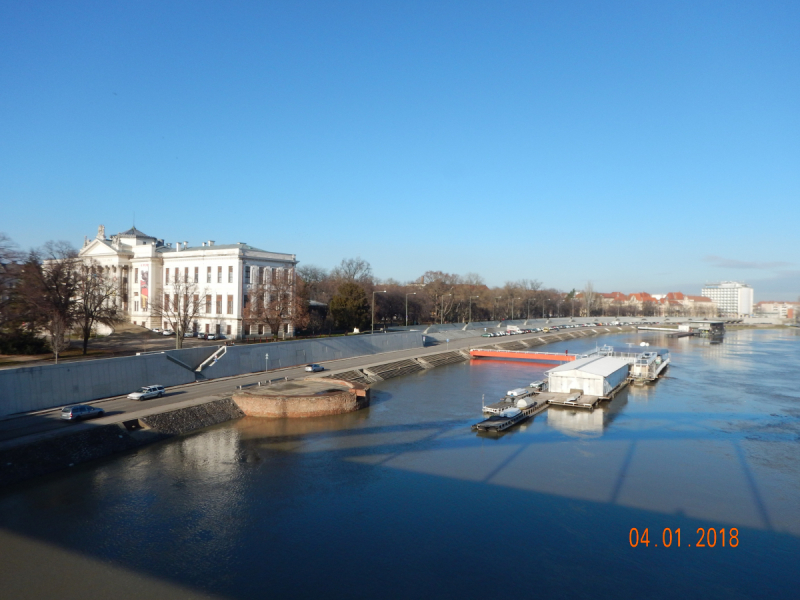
156, 330
168, 332
201, 335
78, 412
486, 335
147, 392
188, 334
314, 368
211, 336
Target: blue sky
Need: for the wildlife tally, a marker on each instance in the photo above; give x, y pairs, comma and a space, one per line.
637, 145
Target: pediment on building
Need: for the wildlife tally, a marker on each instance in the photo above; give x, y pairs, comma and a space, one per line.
99, 248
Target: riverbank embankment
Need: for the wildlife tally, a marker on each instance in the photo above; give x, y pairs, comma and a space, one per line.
33, 456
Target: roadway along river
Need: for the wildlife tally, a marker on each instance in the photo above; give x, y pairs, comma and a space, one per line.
402, 500
21, 428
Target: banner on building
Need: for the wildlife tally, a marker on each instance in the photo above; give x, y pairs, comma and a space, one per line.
143, 283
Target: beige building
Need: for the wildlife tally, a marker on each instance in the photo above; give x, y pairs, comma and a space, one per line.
147, 270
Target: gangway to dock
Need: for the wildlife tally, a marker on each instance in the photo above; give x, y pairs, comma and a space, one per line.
519, 354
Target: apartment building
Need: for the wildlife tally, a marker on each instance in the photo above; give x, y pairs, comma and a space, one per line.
732, 298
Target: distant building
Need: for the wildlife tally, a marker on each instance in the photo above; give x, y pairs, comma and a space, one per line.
218, 276
778, 308
732, 298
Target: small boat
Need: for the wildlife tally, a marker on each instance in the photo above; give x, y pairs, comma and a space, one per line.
509, 417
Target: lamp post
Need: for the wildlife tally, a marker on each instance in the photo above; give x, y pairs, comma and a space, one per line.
266, 357
373, 308
443, 295
407, 295
469, 320
494, 310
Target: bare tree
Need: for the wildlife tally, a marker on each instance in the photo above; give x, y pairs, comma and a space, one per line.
95, 299
589, 297
529, 288
439, 290
179, 306
48, 287
10, 258
274, 301
356, 270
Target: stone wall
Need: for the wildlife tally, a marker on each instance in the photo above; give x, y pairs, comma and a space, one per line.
343, 398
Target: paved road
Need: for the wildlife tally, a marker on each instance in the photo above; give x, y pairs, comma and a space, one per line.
120, 408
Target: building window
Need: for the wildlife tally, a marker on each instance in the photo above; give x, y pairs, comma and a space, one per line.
207, 328
197, 274
228, 330
208, 303
176, 302
260, 329
196, 305
136, 276
166, 325
219, 305
230, 305
166, 301
247, 328
208, 274
230, 274
166, 275
219, 274
136, 306
186, 275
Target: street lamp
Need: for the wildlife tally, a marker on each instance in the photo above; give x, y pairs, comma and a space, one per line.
407, 295
494, 310
266, 357
443, 295
373, 308
469, 320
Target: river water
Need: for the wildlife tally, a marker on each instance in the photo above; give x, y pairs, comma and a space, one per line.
402, 500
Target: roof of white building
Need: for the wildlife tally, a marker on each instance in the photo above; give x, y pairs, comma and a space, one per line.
599, 366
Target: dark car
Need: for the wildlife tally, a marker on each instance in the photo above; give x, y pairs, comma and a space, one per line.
79, 412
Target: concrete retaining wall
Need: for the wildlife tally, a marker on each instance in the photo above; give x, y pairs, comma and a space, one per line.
35, 388
252, 358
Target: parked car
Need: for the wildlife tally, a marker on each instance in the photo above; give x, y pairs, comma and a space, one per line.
211, 336
314, 368
78, 412
147, 392
188, 334
201, 335
156, 330
168, 332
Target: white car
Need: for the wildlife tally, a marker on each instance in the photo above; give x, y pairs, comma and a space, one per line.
147, 392
314, 368
168, 332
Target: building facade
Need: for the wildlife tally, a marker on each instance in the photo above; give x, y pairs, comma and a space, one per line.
150, 274
732, 298
778, 308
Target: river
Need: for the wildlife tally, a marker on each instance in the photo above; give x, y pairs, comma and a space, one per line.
402, 500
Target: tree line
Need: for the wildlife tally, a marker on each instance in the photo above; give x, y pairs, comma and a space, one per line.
51, 290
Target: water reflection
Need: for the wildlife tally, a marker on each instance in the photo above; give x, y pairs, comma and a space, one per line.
586, 422
404, 487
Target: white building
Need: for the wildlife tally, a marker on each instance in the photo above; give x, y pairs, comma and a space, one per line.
732, 298
593, 376
146, 268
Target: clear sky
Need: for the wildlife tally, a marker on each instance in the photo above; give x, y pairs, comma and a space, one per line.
640, 145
